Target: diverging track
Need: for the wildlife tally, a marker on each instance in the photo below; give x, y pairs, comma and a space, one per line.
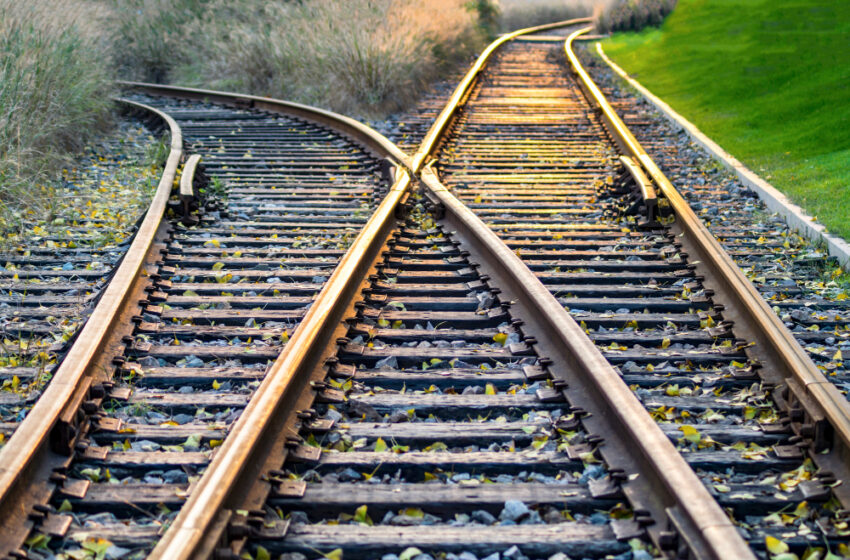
321, 361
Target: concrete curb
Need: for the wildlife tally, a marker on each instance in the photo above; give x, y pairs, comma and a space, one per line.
794, 216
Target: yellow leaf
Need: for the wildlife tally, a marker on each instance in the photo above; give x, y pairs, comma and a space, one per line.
837, 357
500, 338
490, 389
477, 199
360, 516
216, 384
215, 443
380, 446
690, 433
802, 509
774, 545
335, 554
413, 512
218, 266
665, 343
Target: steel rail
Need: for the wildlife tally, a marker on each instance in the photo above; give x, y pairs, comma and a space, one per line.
660, 481
199, 526
666, 485
50, 426
463, 89
197, 530
817, 410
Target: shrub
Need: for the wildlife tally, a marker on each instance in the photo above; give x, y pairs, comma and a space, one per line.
632, 15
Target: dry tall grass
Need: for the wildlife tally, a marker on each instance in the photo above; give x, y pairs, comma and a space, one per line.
365, 57
54, 90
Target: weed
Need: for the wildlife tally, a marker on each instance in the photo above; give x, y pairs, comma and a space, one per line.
157, 153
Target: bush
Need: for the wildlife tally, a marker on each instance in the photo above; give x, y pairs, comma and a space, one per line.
632, 15
54, 91
518, 14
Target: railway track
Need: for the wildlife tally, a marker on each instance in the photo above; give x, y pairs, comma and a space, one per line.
790, 272
218, 299
526, 364
53, 272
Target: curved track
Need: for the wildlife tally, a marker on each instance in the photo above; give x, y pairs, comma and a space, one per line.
215, 301
519, 360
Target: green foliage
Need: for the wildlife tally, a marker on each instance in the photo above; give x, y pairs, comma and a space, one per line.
768, 81
488, 15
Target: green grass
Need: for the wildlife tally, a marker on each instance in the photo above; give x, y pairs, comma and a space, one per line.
768, 80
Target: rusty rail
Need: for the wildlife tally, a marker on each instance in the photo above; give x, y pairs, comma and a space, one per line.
51, 428
817, 410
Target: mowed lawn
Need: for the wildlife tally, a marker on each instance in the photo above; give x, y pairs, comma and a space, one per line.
768, 80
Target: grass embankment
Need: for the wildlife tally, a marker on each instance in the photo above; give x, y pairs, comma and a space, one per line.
769, 81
